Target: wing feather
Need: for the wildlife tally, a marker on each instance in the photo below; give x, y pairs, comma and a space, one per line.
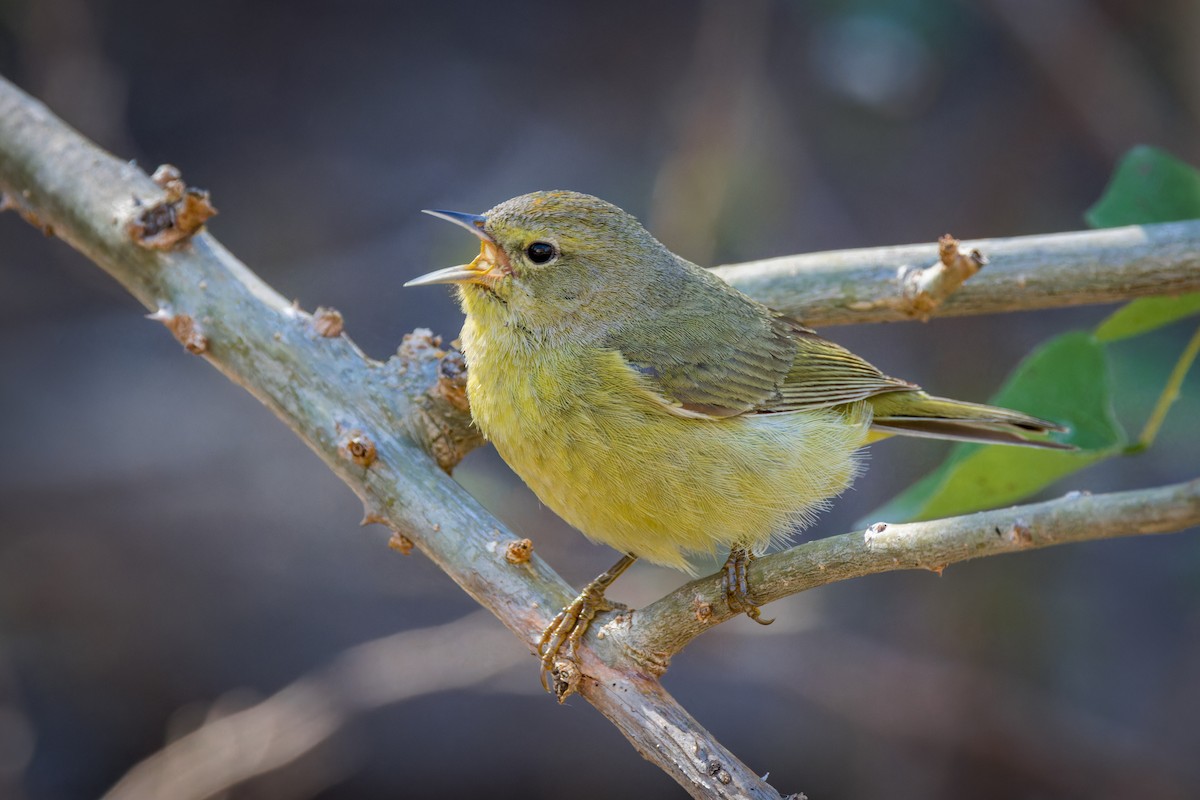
743, 358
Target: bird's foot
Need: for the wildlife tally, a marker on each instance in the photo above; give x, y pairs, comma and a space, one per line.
737, 585
560, 641
560, 668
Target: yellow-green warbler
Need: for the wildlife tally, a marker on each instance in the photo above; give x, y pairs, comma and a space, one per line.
656, 408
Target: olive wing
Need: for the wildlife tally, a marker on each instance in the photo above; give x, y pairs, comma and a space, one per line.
713, 367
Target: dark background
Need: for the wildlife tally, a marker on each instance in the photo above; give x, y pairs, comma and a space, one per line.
169, 551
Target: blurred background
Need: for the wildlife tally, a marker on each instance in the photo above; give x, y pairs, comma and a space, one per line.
170, 553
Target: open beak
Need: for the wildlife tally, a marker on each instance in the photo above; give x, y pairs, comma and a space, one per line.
488, 267
465, 273
471, 222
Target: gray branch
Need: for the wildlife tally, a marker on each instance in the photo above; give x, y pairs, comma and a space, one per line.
391, 430
370, 422
1023, 273
663, 628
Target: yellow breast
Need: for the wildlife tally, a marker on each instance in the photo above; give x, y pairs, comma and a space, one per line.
578, 428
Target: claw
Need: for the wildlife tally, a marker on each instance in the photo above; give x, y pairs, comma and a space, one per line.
560, 673
737, 585
568, 628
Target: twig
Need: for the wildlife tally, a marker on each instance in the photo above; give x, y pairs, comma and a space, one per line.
926, 289
1169, 395
663, 628
1023, 273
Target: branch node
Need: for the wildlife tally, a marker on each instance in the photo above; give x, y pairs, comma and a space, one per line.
440, 419
518, 551
185, 329
328, 322
715, 770
871, 533
566, 676
358, 447
923, 290
174, 219
401, 543
1019, 534
419, 345
452, 380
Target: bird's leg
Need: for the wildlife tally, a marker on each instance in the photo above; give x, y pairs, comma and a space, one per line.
737, 584
569, 627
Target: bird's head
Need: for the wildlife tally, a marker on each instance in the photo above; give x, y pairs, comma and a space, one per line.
556, 258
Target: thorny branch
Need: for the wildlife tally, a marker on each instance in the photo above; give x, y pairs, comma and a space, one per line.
389, 430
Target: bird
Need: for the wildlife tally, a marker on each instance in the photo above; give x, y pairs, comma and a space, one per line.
659, 410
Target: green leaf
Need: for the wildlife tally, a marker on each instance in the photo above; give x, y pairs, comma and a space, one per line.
1066, 380
1149, 185
1146, 314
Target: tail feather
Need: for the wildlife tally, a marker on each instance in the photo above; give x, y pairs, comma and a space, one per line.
919, 414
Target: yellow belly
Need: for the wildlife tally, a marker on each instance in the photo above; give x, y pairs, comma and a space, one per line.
603, 455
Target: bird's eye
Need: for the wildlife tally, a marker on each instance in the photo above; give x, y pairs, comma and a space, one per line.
540, 252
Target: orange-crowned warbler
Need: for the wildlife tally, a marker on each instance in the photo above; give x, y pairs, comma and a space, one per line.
656, 408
